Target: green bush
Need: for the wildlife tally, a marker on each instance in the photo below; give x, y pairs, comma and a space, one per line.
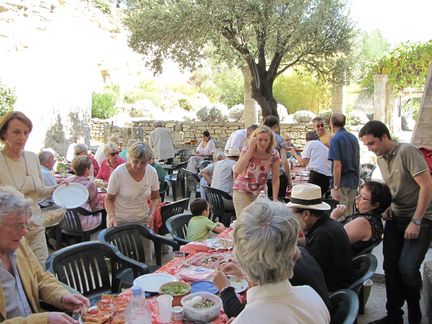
7, 99
103, 105
103, 5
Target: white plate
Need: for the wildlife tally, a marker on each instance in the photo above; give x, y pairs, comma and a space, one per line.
70, 196
152, 282
239, 284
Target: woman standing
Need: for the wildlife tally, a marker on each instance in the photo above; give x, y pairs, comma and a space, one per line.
205, 148
133, 190
252, 168
111, 162
21, 170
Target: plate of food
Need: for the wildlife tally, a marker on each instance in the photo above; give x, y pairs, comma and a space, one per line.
206, 260
70, 195
220, 243
239, 284
153, 281
110, 309
193, 273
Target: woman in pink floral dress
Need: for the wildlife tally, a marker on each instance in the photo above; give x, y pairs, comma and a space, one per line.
82, 165
252, 168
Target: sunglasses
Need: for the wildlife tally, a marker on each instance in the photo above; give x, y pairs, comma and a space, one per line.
320, 125
114, 153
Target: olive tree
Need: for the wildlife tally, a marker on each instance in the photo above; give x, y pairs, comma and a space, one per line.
267, 36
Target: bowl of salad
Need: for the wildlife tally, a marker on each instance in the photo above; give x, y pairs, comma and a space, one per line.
177, 289
201, 306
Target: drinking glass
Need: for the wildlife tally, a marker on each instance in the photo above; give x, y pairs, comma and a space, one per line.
179, 258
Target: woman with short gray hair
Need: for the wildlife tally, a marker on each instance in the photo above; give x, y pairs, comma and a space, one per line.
133, 190
265, 240
13, 202
112, 161
83, 150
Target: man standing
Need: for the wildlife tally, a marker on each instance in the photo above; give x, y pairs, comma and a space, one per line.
344, 152
408, 228
238, 138
161, 143
318, 125
47, 161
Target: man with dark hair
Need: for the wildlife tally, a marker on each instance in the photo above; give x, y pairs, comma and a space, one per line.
326, 239
408, 227
238, 139
272, 122
344, 152
318, 125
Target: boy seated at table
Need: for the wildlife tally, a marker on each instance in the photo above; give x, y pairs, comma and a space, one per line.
200, 225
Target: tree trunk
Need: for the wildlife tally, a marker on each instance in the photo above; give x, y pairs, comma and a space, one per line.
262, 90
421, 134
379, 97
337, 98
249, 113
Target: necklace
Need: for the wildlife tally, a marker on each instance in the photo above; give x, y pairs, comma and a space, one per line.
10, 172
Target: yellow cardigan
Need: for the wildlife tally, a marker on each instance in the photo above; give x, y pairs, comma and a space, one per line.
38, 285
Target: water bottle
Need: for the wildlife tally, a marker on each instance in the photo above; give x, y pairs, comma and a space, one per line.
262, 196
137, 311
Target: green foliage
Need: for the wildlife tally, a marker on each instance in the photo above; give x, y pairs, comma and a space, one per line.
103, 105
373, 46
231, 87
326, 115
185, 104
144, 90
406, 66
7, 99
411, 108
299, 90
210, 114
268, 36
103, 5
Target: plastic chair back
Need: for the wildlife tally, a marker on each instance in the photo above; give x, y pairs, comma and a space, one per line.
216, 199
170, 210
177, 226
344, 307
92, 268
127, 239
192, 183
364, 268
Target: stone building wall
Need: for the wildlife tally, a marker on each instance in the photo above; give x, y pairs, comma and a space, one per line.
185, 134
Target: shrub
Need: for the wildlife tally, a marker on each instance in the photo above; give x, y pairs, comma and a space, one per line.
210, 114
103, 105
103, 5
303, 116
326, 115
358, 118
7, 99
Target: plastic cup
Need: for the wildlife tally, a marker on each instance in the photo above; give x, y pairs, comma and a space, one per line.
164, 305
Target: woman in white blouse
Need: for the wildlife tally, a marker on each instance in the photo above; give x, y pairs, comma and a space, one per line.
205, 149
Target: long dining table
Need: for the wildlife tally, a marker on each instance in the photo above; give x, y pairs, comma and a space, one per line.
172, 267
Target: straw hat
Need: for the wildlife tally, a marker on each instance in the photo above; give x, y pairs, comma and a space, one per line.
234, 152
307, 196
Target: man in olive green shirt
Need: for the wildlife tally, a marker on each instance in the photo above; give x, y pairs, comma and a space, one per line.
199, 225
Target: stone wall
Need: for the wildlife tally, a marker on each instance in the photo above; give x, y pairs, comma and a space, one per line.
185, 133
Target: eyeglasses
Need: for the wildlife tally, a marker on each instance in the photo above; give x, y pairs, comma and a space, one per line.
363, 197
319, 125
18, 227
114, 153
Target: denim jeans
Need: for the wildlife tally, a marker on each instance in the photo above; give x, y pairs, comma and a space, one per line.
402, 260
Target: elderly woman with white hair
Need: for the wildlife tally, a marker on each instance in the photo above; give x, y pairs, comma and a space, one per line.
112, 161
23, 281
265, 240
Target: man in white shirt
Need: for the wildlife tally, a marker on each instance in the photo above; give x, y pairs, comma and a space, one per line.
47, 161
314, 157
238, 139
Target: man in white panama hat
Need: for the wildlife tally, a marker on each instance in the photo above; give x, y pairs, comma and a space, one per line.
326, 239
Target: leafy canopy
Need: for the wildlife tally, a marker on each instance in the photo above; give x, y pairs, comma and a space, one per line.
266, 36
406, 66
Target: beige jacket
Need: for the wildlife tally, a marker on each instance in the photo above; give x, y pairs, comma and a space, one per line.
38, 285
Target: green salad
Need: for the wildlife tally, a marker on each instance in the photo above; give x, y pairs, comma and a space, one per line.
175, 288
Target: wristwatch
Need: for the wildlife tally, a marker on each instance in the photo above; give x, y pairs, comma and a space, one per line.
416, 221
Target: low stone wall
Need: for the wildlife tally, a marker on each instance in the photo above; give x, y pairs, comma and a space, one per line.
185, 132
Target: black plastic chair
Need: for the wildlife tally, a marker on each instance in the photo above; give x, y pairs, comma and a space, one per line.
177, 182
204, 163
192, 183
170, 210
177, 226
163, 189
369, 248
216, 199
93, 268
70, 231
183, 155
344, 307
127, 239
364, 268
